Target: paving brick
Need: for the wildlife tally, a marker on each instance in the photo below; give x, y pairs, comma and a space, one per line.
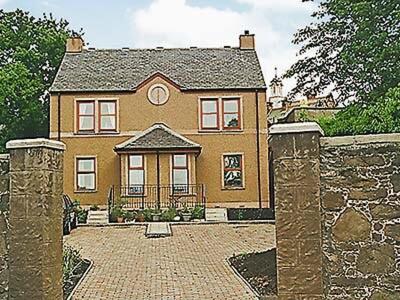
189, 265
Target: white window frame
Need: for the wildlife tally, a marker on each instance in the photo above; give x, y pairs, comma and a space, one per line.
97, 130
96, 173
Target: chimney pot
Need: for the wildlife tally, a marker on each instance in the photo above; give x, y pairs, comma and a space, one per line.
75, 44
247, 41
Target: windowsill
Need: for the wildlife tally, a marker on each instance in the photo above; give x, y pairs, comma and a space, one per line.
233, 188
85, 191
221, 131
82, 133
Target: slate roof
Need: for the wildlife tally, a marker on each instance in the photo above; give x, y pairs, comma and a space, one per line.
158, 136
190, 68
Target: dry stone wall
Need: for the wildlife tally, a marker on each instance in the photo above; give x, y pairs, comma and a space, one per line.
4, 210
360, 207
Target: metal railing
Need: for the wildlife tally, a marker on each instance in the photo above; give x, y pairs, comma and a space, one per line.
163, 196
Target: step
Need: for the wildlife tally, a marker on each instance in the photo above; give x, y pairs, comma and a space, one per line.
97, 217
216, 214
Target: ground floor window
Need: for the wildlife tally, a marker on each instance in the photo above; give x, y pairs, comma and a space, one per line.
136, 174
86, 174
180, 173
233, 171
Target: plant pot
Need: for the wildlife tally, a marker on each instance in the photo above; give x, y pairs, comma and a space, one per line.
156, 217
120, 220
139, 218
186, 217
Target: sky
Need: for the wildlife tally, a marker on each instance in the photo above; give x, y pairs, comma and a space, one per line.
184, 23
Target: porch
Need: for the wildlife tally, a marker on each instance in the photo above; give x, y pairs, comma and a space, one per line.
160, 196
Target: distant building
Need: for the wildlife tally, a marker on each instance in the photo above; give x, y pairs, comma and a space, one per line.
281, 110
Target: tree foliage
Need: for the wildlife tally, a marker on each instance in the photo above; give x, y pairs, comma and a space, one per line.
31, 50
353, 46
379, 116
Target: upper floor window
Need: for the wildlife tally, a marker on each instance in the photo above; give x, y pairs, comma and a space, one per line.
96, 116
233, 171
86, 115
107, 116
209, 114
231, 113
86, 174
180, 173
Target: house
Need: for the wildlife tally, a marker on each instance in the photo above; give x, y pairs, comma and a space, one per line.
161, 127
281, 110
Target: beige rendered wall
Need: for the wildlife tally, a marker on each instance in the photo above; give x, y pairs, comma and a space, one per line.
181, 114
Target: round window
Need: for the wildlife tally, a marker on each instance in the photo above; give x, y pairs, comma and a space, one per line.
158, 94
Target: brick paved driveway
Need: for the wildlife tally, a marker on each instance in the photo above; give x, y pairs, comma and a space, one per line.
189, 265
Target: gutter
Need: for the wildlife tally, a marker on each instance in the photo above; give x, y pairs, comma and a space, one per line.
258, 151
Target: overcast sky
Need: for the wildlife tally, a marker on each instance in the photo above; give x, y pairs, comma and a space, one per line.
183, 23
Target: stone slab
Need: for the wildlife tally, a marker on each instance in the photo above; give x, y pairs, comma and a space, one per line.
158, 229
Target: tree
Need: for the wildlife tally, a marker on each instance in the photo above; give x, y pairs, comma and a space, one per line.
379, 116
31, 51
353, 47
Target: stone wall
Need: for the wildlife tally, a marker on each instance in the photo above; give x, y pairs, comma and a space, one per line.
360, 197
4, 210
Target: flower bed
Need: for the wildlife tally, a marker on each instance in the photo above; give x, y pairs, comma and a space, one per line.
259, 270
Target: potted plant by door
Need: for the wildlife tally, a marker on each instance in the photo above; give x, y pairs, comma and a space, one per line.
156, 215
186, 214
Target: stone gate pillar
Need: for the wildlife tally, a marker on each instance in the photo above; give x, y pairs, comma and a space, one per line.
295, 151
35, 237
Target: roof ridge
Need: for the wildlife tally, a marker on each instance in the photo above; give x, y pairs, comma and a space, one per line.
163, 49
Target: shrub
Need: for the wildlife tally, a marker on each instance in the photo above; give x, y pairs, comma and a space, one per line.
94, 207
129, 216
71, 258
198, 212
168, 215
80, 212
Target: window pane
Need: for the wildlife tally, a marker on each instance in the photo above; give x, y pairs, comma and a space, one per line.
86, 108
136, 177
107, 108
86, 123
180, 176
232, 161
231, 120
180, 160
107, 122
209, 106
85, 165
210, 121
231, 106
86, 181
135, 161
233, 179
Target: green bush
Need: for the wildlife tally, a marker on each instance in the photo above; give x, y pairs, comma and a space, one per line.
198, 213
80, 212
147, 214
379, 116
168, 215
94, 207
71, 258
129, 216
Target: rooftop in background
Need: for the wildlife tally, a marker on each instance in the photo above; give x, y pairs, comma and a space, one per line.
190, 68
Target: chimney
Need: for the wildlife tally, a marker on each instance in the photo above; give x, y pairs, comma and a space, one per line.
247, 41
75, 44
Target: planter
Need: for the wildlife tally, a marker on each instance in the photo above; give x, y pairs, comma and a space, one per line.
186, 217
139, 218
156, 217
120, 219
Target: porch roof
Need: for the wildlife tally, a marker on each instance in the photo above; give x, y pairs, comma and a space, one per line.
158, 137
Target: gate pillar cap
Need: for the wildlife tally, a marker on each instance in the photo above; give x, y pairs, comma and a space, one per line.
295, 128
35, 143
